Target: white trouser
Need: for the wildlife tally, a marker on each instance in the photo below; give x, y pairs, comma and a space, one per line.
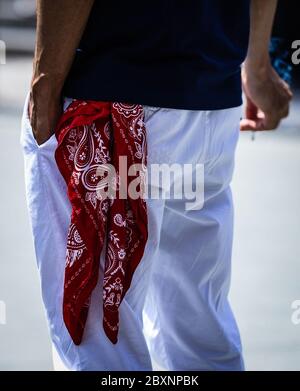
176, 310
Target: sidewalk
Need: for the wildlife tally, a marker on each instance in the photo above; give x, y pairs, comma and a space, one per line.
266, 256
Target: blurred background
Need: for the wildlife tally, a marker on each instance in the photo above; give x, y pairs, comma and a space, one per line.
266, 187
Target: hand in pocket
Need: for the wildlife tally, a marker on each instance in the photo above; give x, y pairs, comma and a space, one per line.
43, 114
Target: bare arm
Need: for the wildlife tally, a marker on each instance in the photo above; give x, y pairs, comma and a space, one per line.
60, 25
262, 14
268, 96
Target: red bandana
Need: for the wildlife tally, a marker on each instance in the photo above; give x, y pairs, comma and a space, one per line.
91, 137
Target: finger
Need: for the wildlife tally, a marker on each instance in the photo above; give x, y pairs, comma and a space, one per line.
249, 124
251, 109
287, 89
251, 112
270, 122
284, 112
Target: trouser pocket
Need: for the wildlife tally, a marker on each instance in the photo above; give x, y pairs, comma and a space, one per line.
27, 139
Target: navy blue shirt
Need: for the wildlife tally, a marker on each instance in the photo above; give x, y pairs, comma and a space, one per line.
183, 54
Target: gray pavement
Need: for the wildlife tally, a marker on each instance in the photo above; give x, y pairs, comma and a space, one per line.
266, 254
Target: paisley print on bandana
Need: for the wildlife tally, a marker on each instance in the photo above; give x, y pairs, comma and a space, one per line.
91, 136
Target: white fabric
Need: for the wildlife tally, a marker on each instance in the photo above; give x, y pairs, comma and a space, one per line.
176, 311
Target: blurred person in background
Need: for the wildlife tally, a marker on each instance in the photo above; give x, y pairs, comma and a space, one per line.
178, 67
284, 34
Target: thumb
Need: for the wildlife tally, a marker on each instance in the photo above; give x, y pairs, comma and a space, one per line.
251, 109
252, 121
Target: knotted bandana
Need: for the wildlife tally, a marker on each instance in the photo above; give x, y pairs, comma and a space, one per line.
92, 136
